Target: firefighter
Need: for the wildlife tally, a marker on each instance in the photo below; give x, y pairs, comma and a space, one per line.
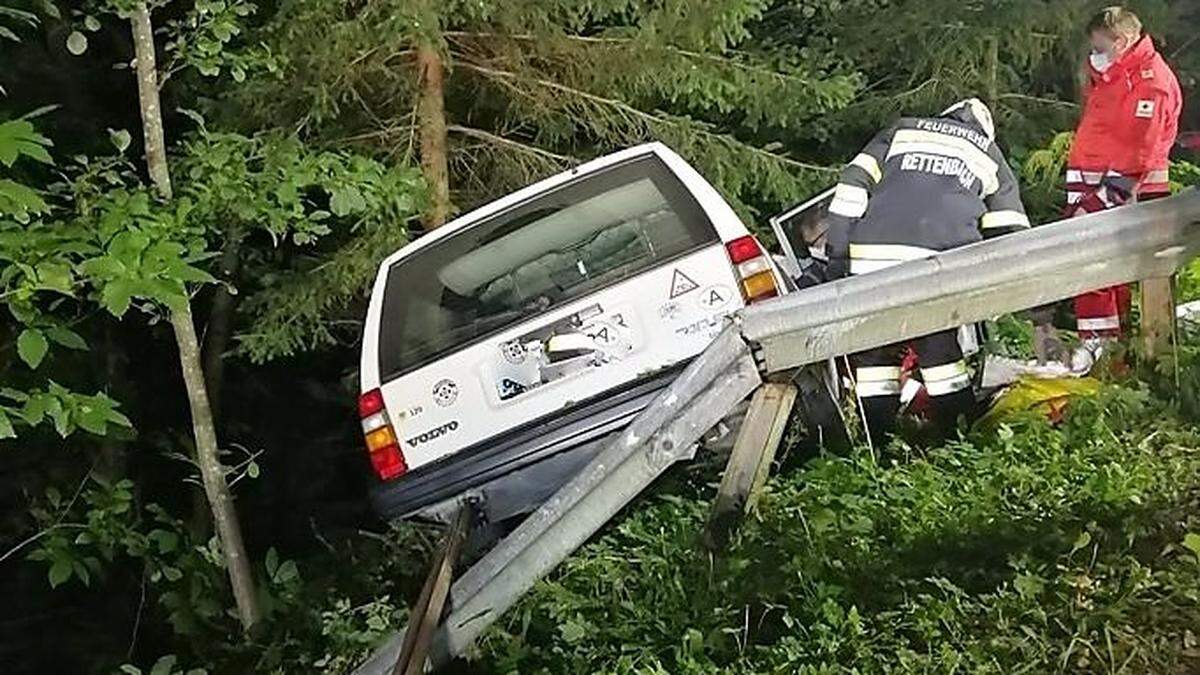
1132, 104
922, 186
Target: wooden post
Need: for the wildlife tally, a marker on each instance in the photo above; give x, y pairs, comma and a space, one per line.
1158, 317
427, 611
750, 461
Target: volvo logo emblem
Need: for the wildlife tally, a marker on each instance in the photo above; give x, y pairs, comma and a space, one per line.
433, 434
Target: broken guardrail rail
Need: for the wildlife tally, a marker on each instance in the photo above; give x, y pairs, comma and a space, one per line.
969, 284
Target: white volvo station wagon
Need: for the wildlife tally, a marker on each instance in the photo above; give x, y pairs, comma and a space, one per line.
502, 349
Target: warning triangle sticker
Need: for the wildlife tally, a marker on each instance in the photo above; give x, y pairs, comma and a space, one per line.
681, 283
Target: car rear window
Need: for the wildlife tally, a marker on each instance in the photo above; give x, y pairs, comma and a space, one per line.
552, 249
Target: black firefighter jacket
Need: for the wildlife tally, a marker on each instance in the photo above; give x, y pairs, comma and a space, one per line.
921, 186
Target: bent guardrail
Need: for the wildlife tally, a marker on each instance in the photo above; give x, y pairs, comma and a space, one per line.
973, 283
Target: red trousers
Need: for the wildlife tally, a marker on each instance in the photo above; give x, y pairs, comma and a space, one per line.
1103, 314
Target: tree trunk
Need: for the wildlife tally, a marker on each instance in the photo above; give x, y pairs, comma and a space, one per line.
220, 322
993, 92
111, 463
431, 125
229, 531
216, 342
208, 456
147, 79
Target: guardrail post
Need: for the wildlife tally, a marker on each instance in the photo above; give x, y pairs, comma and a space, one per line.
427, 611
750, 461
1158, 317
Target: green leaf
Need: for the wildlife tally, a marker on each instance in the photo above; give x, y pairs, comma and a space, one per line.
115, 417
92, 419
82, 572
20, 201
346, 200
127, 247
19, 137
172, 573
32, 347
35, 409
287, 572
572, 632
60, 571
117, 296
66, 337
103, 267
1029, 586
54, 276
1192, 543
120, 139
252, 469
164, 665
1083, 540
188, 273
77, 43
6, 427
14, 394
165, 539
91, 23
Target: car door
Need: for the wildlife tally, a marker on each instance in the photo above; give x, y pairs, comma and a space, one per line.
800, 232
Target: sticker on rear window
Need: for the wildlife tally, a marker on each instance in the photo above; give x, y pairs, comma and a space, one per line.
681, 284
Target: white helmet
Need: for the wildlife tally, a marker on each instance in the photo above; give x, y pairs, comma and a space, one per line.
973, 111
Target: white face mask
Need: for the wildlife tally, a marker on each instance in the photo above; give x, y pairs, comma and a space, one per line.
1101, 61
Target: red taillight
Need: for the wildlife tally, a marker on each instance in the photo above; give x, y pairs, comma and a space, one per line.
384, 449
753, 269
743, 249
370, 403
389, 462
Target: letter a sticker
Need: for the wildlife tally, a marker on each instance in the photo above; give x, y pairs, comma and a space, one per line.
681, 283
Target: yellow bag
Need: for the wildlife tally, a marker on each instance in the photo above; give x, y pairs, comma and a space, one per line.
1048, 396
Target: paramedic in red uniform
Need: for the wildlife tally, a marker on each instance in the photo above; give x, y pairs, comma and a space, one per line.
1132, 104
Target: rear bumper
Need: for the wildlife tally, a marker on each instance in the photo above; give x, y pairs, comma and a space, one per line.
522, 465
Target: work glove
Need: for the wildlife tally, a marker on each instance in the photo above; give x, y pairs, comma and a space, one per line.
1046, 344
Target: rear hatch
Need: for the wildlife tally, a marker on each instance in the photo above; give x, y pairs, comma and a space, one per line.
582, 289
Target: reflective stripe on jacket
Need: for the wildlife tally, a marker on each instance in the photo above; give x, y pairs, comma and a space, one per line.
921, 186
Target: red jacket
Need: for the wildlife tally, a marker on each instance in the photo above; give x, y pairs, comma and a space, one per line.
1130, 121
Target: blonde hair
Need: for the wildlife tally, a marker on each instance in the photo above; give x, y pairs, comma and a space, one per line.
1116, 21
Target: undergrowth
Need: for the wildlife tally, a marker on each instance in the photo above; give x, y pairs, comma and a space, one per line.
1040, 549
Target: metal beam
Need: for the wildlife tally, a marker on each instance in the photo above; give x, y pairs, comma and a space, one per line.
665, 432
672, 439
961, 286
976, 282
